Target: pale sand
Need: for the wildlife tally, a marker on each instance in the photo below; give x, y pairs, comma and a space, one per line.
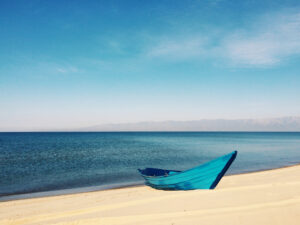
269, 197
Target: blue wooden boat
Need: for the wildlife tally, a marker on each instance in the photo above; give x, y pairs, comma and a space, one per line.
205, 176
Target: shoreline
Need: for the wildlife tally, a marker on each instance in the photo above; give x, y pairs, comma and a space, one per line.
264, 197
60, 192
89, 189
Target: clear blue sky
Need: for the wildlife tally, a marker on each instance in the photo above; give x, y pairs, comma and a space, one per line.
66, 64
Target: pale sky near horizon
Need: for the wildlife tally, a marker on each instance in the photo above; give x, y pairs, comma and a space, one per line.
66, 64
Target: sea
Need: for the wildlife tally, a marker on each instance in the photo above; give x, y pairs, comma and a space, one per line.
51, 163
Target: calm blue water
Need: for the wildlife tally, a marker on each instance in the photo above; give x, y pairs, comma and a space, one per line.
36, 162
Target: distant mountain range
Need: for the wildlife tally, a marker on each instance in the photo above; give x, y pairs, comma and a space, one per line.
274, 124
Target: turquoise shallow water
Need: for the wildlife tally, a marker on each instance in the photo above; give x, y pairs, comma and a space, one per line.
47, 161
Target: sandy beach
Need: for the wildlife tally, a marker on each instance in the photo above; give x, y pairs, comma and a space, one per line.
267, 197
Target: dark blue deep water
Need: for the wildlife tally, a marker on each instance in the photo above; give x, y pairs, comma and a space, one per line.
38, 162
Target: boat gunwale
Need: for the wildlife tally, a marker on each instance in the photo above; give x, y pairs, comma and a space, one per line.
184, 171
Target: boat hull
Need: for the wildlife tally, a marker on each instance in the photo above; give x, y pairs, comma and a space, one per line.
205, 176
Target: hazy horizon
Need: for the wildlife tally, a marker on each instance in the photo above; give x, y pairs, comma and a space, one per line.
71, 65
284, 124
